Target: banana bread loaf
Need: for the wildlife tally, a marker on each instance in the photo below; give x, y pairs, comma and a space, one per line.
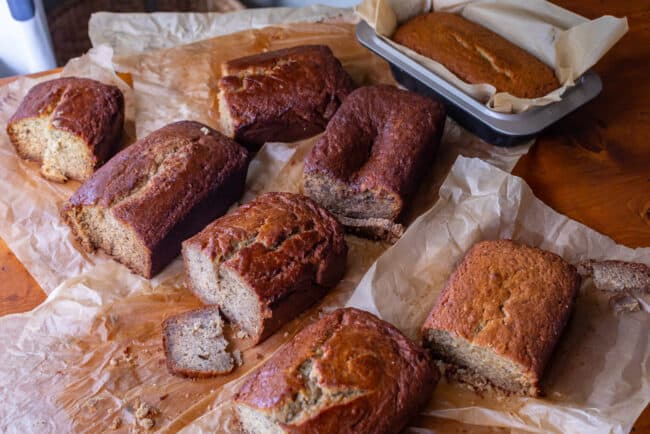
477, 55
70, 125
157, 192
282, 95
349, 372
501, 314
267, 261
372, 157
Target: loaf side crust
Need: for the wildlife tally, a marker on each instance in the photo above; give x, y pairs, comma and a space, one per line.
476, 54
349, 372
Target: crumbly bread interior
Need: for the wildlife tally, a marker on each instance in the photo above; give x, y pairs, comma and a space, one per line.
97, 228
194, 343
343, 199
478, 366
227, 126
217, 285
373, 228
63, 155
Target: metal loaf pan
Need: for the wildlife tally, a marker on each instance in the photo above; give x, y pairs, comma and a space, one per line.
501, 129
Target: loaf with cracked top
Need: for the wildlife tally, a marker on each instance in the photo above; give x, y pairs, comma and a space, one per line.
70, 125
372, 157
476, 54
282, 96
164, 188
501, 314
266, 261
349, 372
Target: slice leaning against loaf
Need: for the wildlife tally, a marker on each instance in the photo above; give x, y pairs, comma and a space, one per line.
349, 372
267, 261
70, 125
164, 188
194, 344
501, 314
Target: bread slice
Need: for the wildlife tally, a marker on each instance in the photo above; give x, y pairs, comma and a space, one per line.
267, 261
71, 125
501, 314
163, 189
617, 275
194, 344
372, 228
349, 372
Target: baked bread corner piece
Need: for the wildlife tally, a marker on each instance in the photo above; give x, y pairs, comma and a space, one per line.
283, 96
194, 344
164, 188
349, 372
476, 54
372, 157
501, 314
267, 261
70, 125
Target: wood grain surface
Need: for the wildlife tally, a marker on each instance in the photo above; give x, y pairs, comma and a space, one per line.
593, 166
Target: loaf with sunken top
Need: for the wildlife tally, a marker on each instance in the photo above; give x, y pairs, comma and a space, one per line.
70, 125
501, 314
267, 261
281, 96
164, 188
372, 157
349, 372
476, 54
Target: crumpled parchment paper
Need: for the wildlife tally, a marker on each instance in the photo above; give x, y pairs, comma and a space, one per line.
86, 358
567, 42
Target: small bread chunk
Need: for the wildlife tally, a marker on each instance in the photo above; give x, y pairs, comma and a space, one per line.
194, 344
70, 125
163, 189
501, 314
617, 275
349, 372
267, 261
281, 96
373, 155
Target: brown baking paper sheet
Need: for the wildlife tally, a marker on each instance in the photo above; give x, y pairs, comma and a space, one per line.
86, 358
567, 42
598, 380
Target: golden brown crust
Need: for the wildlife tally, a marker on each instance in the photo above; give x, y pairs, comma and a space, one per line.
511, 298
282, 95
375, 377
168, 185
87, 108
477, 55
284, 246
380, 141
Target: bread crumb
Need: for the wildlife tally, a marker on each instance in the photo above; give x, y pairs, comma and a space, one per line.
117, 422
146, 423
113, 361
622, 303
241, 334
205, 131
142, 410
286, 334
238, 357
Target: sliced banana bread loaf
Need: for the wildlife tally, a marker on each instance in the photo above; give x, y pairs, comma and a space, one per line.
374, 152
267, 261
349, 372
194, 344
501, 314
282, 95
157, 192
70, 125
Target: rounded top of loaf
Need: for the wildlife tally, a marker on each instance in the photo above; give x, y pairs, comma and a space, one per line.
369, 377
92, 110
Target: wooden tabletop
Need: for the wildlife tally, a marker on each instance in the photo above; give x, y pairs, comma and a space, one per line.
593, 166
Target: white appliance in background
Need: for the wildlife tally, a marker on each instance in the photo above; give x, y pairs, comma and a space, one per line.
25, 45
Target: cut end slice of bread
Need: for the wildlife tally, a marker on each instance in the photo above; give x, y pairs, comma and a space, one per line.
373, 228
96, 228
488, 369
217, 285
62, 155
194, 344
